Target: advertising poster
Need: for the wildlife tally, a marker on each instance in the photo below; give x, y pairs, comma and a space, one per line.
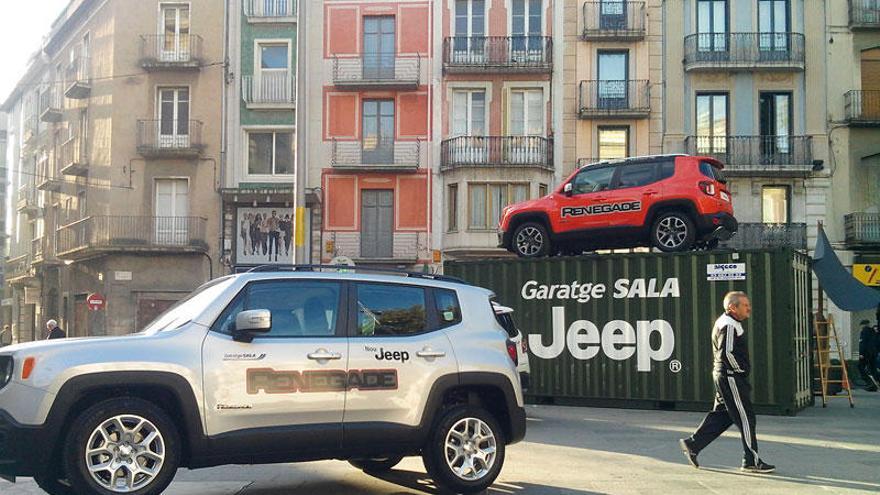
264, 235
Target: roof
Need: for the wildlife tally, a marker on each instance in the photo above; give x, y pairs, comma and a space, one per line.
634, 160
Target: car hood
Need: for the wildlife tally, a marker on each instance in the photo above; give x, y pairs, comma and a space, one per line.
45, 345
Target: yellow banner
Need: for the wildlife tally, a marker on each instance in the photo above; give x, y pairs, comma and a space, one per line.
867, 274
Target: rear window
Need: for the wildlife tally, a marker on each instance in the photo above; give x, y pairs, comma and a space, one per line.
448, 309
666, 169
712, 172
506, 321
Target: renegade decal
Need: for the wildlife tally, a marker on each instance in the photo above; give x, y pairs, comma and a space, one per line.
271, 381
579, 211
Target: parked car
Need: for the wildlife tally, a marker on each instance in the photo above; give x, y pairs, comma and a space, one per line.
505, 318
671, 202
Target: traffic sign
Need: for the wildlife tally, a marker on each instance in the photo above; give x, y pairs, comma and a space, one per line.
96, 302
868, 274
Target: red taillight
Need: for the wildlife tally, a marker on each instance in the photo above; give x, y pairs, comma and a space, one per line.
511, 351
708, 187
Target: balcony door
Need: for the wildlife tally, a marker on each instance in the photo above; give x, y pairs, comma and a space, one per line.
712, 124
377, 145
773, 29
613, 71
526, 128
273, 76
527, 30
469, 127
172, 210
469, 41
377, 223
174, 31
379, 47
775, 124
173, 118
612, 14
712, 42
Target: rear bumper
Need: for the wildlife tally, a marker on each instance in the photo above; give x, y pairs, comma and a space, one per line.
721, 226
21, 447
504, 239
517, 424
525, 379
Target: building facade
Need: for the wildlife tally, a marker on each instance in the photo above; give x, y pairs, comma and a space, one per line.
114, 148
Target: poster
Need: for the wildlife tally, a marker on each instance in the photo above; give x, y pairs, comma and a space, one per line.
264, 236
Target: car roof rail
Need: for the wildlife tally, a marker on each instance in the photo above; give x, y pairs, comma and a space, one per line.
361, 269
632, 159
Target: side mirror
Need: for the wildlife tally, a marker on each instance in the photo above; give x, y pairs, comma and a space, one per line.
249, 323
567, 189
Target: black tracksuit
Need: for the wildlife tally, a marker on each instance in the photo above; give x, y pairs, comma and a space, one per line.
868, 344
733, 403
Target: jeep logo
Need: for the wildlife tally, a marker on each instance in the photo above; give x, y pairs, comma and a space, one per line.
619, 340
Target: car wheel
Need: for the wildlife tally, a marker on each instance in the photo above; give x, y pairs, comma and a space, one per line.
122, 445
376, 465
530, 240
53, 484
465, 452
673, 231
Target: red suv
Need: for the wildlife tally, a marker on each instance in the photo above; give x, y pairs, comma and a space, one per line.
671, 202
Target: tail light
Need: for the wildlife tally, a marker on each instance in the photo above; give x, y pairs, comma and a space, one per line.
708, 187
511, 351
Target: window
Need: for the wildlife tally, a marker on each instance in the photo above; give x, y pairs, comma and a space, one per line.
378, 132
171, 210
448, 309
712, 25
542, 190
527, 112
772, 26
712, 172
775, 124
613, 142
470, 27
468, 112
392, 310
526, 27
175, 33
452, 208
774, 201
173, 118
666, 169
379, 47
270, 153
300, 308
637, 175
487, 201
613, 70
593, 180
711, 123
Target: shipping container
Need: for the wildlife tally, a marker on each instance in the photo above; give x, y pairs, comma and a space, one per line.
634, 330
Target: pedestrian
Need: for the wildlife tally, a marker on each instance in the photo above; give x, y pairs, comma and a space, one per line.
868, 348
733, 403
53, 331
5, 336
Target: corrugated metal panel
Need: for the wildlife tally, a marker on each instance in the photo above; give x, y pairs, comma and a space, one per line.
634, 301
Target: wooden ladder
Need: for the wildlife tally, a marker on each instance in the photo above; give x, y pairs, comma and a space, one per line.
825, 334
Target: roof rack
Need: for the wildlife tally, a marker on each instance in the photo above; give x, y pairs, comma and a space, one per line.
345, 268
632, 159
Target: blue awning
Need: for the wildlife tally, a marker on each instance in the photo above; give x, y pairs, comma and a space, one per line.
842, 288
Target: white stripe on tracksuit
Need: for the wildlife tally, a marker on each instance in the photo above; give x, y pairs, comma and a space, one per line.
728, 348
744, 419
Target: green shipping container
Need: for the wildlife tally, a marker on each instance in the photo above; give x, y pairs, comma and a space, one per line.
634, 330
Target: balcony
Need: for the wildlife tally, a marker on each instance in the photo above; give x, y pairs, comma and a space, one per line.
614, 99
169, 138
864, 14
613, 21
51, 103
862, 230
377, 71
498, 54
18, 270
757, 156
769, 235
28, 202
72, 157
376, 155
744, 52
269, 11
98, 235
47, 177
171, 52
496, 151
862, 108
80, 75
269, 91
29, 129
37, 251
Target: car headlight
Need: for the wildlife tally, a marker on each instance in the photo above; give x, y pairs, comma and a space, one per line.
6, 367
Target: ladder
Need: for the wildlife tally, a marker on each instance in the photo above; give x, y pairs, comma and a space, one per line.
825, 334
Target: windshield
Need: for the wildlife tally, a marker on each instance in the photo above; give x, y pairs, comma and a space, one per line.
189, 307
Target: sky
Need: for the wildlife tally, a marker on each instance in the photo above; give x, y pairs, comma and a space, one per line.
22, 27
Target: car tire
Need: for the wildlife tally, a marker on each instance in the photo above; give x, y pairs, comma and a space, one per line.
123, 433
53, 484
376, 465
463, 435
530, 240
673, 231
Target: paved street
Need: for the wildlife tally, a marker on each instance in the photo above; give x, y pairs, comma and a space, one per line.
579, 451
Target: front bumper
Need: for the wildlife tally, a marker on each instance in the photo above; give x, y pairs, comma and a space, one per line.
721, 226
504, 239
21, 447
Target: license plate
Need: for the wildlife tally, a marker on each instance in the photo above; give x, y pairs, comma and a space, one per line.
725, 196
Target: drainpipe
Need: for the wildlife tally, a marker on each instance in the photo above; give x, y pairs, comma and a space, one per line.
224, 129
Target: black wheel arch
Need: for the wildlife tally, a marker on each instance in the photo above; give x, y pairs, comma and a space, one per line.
682, 205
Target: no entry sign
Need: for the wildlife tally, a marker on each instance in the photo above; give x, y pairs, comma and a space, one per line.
96, 302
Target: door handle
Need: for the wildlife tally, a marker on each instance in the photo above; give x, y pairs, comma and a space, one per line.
324, 355
428, 353
650, 193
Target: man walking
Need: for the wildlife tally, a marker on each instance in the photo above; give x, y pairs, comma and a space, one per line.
868, 343
733, 403
53, 331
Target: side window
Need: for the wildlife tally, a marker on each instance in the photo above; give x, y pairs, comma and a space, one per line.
637, 175
394, 310
666, 170
506, 321
593, 180
706, 169
447, 306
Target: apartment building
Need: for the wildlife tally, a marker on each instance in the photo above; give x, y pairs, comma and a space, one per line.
114, 149
369, 103
265, 209
5, 303
498, 117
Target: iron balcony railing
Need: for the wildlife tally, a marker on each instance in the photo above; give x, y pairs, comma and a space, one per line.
862, 229
862, 107
18, 267
108, 233
498, 54
51, 102
613, 20
37, 250
72, 158
269, 8
27, 198
864, 14
380, 69
749, 155
496, 151
29, 127
606, 98
78, 70
376, 153
170, 50
768, 235
743, 51
269, 89
48, 178
169, 137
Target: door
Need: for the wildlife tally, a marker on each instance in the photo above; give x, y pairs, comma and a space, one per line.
773, 42
172, 211
174, 118
149, 309
377, 223
378, 132
712, 125
273, 78
399, 337
581, 210
613, 71
712, 42
174, 30
379, 47
288, 384
634, 189
870, 95
612, 14
469, 126
775, 115
468, 46
527, 43
525, 145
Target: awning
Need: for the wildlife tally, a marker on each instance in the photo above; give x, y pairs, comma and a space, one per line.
842, 288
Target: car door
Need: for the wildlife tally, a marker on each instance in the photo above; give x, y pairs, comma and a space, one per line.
635, 188
286, 386
579, 211
399, 347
